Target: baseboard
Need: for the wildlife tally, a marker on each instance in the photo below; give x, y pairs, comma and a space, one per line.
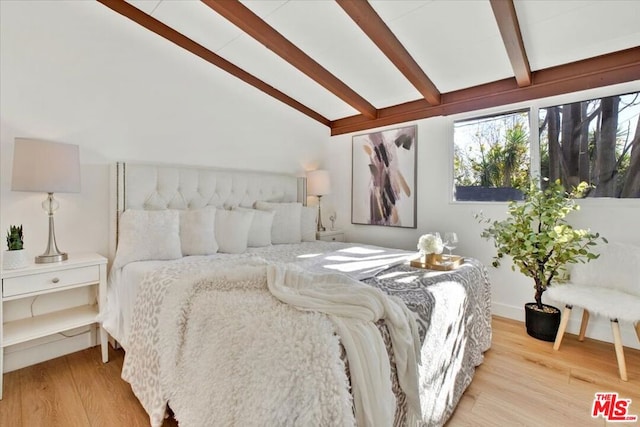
508, 311
599, 328
29, 353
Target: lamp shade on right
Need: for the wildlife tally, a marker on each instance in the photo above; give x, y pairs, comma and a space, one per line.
318, 183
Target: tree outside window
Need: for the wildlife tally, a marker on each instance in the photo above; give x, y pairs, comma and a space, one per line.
597, 141
491, 157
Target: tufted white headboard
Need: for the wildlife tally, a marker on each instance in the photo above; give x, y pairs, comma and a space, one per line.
157, 187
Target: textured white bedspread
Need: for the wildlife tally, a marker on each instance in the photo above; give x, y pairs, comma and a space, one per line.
225, 352
453, 313
273, 363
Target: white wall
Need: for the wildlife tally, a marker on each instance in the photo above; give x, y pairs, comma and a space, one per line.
615, 219
67, 76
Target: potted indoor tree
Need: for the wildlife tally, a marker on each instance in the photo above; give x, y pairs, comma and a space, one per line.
541, 243
14, 256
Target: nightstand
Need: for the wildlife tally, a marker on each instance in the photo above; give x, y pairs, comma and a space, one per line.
331, 236
78, 271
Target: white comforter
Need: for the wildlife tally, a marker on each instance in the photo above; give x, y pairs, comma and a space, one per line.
226, 317
453, 313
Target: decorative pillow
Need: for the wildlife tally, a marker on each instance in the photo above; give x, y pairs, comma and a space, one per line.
232, 230
260, 231
308, 223
148, 235
286, 222
197, 235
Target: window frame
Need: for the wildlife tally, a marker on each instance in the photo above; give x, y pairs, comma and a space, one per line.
533, 106
504, 112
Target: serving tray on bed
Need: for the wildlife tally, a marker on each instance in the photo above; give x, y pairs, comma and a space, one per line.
438, 262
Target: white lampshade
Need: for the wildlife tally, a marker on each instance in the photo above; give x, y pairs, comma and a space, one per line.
43, 166
318, 183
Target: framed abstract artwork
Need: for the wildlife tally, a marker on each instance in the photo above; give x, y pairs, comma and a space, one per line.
384, 178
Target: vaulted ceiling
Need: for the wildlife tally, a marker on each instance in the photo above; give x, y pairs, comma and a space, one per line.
354, 65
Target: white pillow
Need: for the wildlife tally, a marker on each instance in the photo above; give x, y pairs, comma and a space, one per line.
260, 231
286, 222
232, 230
308, 223
148, 235
197, 235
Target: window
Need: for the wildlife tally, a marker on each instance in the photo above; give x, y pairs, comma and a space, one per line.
491, 157
597, 141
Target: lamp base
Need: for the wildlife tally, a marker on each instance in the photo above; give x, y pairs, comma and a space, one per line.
45, 259
52, 253
320, 226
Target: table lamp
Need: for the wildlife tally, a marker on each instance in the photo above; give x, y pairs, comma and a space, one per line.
319, 184
48, 167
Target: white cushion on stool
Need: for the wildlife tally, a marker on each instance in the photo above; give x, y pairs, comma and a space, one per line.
607, 302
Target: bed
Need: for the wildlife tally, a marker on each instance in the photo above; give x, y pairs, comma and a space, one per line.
212, 336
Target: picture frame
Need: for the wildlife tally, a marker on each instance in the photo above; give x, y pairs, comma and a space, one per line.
384, 178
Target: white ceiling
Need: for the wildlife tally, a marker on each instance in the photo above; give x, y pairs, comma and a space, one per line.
456, 43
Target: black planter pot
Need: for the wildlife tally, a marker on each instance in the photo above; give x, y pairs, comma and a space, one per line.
542, 325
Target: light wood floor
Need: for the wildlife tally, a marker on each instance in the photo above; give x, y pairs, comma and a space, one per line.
522, 382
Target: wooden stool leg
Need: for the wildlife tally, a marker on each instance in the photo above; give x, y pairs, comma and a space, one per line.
638, 330
583, 325
566, 313
617, 341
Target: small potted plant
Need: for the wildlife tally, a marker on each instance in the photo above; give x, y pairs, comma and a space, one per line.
541, 243
14, 256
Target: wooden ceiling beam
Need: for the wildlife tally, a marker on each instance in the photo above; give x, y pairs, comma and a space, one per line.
243, 18
613, 68
505, 13
152, 24
377, 30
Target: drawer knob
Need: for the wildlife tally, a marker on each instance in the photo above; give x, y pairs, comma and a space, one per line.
55, 280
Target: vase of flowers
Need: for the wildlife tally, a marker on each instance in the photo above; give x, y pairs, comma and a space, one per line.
430, 245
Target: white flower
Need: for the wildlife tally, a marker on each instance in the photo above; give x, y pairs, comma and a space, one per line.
430, 244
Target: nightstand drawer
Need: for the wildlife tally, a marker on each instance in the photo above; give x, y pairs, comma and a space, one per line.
331, 237
51, 280
338, 238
